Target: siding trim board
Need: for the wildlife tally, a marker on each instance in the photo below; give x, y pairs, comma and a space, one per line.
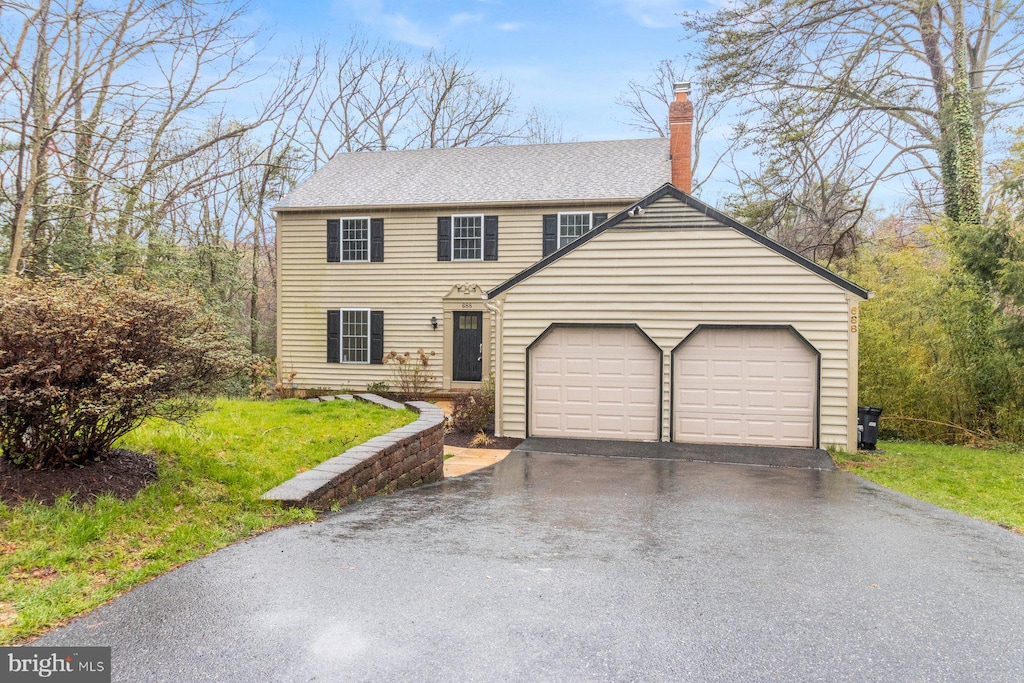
668, 190
634, 326
706, 326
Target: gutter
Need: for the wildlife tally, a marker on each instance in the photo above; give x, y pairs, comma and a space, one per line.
499, 357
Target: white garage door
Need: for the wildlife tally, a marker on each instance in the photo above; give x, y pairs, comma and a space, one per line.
745, 386
595, 383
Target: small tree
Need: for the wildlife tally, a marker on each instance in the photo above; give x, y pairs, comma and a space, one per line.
85, 361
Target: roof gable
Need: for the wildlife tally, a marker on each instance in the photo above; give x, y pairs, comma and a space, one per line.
668, 190
572, 171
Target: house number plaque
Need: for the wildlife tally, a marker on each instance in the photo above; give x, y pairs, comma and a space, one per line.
854, 318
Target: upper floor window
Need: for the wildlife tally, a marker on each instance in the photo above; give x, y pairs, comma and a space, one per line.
355, 239
467, 238
572, 226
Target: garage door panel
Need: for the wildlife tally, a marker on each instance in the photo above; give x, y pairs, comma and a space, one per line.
762, 370
762, 400
608, 380
796, 371
745, 386
692, 398
726, 369
796, 400
723, 399
692, 368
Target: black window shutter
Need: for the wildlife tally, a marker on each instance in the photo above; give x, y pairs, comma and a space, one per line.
334, 241
490, 238
598, 219
334, 336
377, 337
444, 238
376, 240
550, 233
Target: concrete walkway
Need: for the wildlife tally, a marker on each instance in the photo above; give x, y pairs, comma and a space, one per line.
468, 460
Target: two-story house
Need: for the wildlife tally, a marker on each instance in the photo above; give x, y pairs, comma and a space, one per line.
605, 301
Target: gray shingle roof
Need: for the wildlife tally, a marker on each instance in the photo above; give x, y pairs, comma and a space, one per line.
617, 169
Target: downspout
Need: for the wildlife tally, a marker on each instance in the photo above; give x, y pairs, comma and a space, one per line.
499, 347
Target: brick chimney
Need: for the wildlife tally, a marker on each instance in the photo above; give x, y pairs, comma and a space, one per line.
680, 135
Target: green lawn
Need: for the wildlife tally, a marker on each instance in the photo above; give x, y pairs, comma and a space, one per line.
988, 484
58, 562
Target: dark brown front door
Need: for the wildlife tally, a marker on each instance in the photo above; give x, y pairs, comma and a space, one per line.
467, 347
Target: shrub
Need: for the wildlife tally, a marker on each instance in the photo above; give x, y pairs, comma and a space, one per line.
85, 361
473, 411
412, 373
931, 351
379, 388
481, 440
262, 373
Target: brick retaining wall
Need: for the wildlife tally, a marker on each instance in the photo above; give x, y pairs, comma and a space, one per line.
408, 456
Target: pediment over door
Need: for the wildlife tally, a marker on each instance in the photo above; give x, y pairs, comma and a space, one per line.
466, 290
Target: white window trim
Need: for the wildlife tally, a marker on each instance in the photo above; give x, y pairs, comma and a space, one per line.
590, 215
341, 335
468, 215
341, 239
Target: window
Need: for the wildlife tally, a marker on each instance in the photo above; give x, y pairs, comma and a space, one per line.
572, 226
467, 238
355, 336
355, 239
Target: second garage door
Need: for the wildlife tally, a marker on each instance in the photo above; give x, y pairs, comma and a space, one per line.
595, 382
745, 385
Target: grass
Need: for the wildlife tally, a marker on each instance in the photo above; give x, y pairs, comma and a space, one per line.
983, 483
60, 561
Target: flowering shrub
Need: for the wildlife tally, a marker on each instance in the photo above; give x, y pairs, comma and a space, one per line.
412, 373
85, 361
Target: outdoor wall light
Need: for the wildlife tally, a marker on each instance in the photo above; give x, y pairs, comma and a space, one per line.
433, 321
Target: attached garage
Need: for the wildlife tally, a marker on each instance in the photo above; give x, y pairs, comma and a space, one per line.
672, 321
749, 385
596, 382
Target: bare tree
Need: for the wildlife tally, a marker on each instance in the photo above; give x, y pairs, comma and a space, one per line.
647, 103
92, 96
939, 71
541, 127
376, 96
456, 108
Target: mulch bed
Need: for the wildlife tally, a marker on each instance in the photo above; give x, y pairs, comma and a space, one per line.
464, 439
122, 474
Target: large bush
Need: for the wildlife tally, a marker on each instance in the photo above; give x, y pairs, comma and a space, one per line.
932, 353
473, 411
84, 361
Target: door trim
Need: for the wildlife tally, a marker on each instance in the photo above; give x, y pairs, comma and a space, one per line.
463, 297
554, 326
706, 326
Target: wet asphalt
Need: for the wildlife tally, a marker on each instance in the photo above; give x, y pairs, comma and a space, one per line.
562, 568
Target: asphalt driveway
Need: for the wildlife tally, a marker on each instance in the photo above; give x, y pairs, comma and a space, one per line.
555, 567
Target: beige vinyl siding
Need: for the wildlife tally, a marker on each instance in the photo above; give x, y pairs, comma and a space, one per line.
668, 281
408, 286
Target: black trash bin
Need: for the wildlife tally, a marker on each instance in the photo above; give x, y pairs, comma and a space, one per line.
867, 427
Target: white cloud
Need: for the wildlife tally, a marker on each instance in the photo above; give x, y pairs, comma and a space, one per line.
652, 13
463, 18
395, 24
510, 26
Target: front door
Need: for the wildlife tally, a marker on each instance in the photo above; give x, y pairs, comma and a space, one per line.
467, 347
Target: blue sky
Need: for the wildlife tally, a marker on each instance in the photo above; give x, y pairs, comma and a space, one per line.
570, 58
